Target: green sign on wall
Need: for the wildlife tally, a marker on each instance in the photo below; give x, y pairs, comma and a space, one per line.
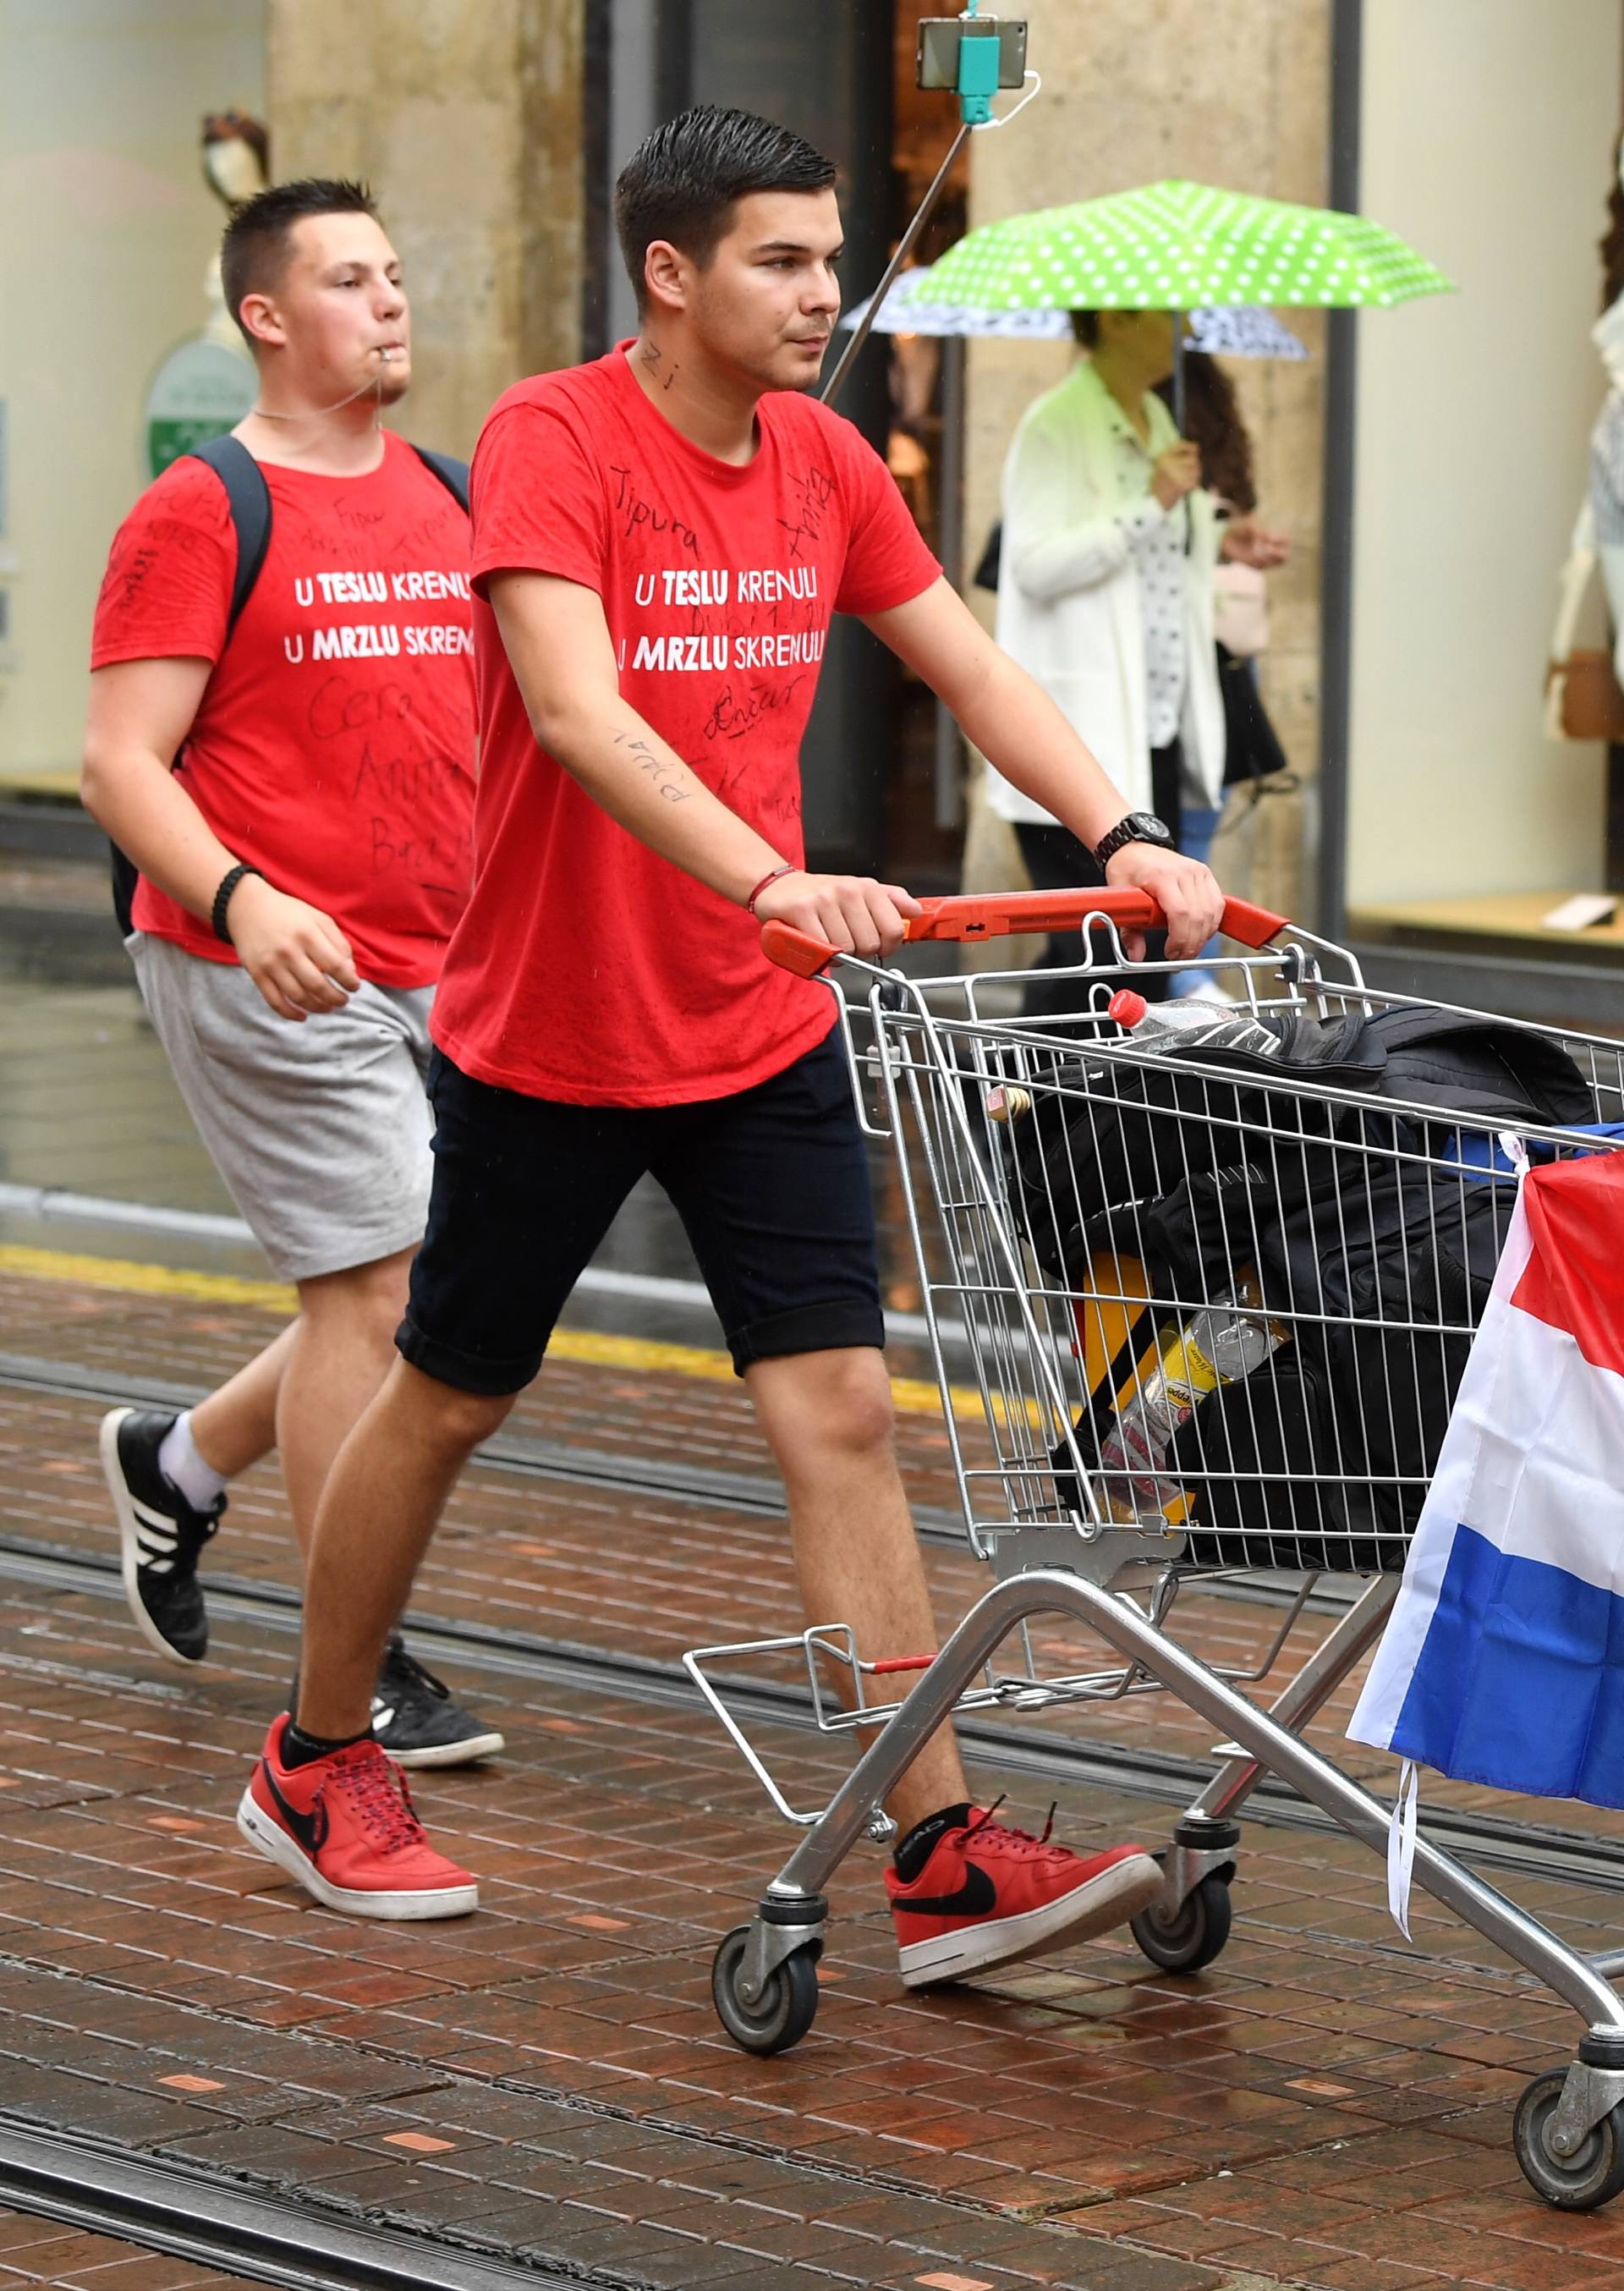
200, 391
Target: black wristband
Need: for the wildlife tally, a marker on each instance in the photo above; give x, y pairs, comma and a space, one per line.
222, 897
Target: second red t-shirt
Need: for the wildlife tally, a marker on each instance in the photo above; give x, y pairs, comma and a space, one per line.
587, 968
333, 747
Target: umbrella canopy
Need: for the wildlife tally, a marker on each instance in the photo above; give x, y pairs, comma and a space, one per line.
911, 308
898, 316
1179, 246
1242, 333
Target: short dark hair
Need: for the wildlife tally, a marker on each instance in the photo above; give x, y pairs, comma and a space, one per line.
1085, 329
255, 250
682, 182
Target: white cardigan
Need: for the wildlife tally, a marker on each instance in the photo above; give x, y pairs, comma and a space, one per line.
1069, 605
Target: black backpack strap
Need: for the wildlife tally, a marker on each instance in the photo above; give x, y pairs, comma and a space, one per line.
452, 473
248, 499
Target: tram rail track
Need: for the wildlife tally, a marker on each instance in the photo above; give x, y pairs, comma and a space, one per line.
189, 2213
674, 1478
1538, 1851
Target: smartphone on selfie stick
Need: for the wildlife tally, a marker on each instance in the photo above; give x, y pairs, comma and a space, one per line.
955, 52
972, 57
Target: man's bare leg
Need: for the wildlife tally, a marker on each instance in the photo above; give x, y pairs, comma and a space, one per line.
236, 1424
827, 1417
303, 1393
378, 1511
347, 1323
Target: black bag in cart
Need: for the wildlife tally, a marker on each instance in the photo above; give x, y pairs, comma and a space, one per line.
1321, 1457
1106, 1132
1380, 1248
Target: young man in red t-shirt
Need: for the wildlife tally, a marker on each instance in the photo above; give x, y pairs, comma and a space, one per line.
302, 865
660, 539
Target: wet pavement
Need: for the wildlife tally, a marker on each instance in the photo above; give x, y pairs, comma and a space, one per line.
1322, 2106
547, 2081
44, 2251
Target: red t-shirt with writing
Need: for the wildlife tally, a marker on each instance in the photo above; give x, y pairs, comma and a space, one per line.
587, 968
334, 746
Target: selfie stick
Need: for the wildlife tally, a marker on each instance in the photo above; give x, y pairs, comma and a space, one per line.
978, 84
904, 248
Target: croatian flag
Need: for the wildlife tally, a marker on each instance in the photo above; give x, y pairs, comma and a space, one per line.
1503, 1660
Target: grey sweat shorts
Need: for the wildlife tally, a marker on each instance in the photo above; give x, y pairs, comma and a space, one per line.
322, 1130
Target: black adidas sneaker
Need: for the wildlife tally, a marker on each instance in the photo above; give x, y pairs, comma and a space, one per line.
160, 1532
415, 1717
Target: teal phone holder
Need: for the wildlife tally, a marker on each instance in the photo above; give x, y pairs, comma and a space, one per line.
977, 76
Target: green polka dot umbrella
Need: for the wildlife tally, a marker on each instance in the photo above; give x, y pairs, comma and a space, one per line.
1181, 246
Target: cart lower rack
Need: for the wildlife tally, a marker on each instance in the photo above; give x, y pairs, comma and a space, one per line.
1198, 1305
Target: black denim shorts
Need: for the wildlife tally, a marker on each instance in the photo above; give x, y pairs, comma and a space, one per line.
772, 1187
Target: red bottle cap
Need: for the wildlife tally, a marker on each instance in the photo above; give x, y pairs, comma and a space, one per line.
1126, 1008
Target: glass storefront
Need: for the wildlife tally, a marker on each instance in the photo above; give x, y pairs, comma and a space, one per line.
109, 232
1487, 136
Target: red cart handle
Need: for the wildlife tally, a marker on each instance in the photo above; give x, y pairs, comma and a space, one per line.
1005, 912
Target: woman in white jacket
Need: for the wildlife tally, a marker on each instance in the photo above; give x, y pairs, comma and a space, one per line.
1106, 591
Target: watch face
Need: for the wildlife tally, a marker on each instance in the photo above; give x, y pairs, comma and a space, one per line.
1147, 828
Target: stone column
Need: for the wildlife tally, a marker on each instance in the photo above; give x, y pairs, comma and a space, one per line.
1239, 95
466, 118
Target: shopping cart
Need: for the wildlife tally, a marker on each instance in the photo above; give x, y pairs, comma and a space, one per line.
1057, 1316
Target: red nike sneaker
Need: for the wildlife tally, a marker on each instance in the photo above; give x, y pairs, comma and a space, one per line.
343, 1826
977, 1894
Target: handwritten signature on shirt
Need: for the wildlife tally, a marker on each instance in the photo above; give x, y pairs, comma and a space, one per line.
816, 490
736, 713
641, 514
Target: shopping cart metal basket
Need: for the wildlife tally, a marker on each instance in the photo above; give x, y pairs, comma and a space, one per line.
1104, 1231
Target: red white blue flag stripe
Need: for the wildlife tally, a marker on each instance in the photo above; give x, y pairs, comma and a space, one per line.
1503, 1660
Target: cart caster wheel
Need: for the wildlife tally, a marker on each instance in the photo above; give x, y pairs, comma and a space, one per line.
786, 2008
1184, 1939
1592, 2176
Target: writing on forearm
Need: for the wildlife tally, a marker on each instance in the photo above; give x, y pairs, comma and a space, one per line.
662, 772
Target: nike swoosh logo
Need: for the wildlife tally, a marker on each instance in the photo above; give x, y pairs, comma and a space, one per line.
309, 1828
975, 1897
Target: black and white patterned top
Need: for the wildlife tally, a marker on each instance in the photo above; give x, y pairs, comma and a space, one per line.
1607, 472
1159, 539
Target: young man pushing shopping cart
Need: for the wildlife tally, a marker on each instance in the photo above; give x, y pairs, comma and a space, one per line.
660, 539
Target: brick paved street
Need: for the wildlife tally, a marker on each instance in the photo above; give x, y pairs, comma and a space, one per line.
1324, 2106
42, 2251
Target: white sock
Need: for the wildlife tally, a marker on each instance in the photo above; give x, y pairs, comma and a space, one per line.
184, 1468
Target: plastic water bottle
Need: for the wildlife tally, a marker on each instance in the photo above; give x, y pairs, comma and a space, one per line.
1220, 1345
1191, 1025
